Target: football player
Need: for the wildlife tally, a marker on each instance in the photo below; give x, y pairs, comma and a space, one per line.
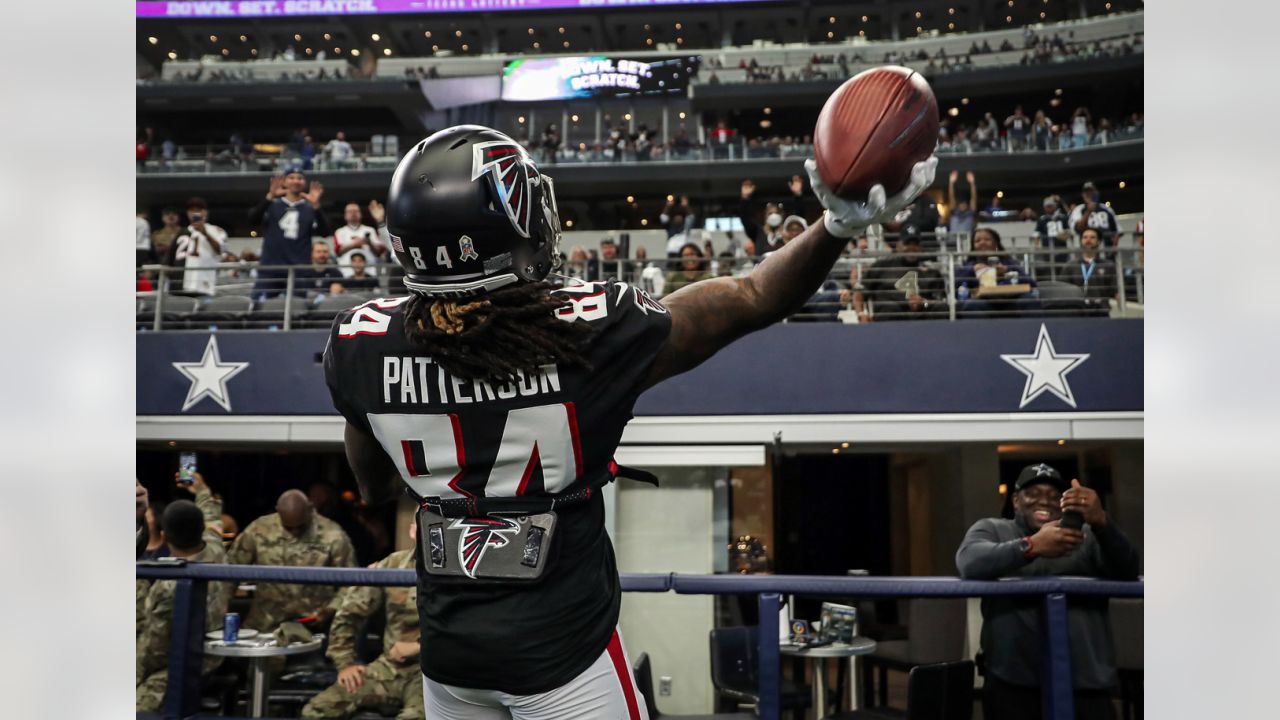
500, 398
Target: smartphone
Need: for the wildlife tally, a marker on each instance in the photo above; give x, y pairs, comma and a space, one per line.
186, 467
993, 260
1072, 520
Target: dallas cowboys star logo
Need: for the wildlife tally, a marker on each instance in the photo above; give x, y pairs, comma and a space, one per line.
209, 377
1046, 370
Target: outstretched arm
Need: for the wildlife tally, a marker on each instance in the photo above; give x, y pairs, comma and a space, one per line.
375, 473
708, 315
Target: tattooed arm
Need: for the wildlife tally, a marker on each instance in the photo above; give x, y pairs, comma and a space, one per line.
708, 315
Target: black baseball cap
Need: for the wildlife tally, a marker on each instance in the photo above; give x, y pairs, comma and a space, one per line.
1037, 474
1088, 185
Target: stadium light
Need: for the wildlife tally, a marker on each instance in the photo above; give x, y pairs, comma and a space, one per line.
830, 34
951, 26
951, 11
568, 223
679, 41
530, 31
520, 119
153, 40
427, 34
679, 26
644, 221
537, 46
465, 47
831, 20
631, 198
864, 18
566, 43
681, 115
964, 101
457, 33
297, 37
1121, 184
919, 14
562, 30
375, 37
173, 55
327, 36
355, 52
213, 38
385, 51
245, 38
768, 110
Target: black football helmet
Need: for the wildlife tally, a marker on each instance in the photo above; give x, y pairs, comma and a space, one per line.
469, 212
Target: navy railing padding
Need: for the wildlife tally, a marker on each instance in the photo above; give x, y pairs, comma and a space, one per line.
182, 698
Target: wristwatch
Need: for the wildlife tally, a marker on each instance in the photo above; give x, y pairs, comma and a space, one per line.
1024, 544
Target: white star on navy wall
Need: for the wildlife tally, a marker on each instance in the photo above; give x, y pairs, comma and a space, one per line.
1046, 370
209, 377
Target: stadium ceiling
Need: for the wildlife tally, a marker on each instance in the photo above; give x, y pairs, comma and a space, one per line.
677, 27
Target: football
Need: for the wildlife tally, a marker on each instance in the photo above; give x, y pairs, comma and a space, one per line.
873, 129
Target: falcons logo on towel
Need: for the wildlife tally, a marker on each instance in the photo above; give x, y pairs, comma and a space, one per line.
478, 534
514, 174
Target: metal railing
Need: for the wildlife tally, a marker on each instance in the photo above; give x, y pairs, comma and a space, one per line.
228, 159
952, 280
245, 157
182, 696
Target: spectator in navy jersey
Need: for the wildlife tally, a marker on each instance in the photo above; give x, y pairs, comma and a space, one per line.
289, 219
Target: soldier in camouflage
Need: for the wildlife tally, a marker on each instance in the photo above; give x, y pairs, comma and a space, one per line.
194, 532
391, 681
293, 535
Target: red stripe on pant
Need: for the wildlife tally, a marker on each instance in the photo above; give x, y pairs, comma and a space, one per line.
624, 676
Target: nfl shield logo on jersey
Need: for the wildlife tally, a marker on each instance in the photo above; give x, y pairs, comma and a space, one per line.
467, 246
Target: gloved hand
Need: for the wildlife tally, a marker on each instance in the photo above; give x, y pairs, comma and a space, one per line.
844, 218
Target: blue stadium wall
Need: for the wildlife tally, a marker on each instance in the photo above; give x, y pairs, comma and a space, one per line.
794, 369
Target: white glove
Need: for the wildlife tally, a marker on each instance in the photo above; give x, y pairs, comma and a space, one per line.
844, 218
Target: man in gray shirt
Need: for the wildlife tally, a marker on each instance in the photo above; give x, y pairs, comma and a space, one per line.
1034, 543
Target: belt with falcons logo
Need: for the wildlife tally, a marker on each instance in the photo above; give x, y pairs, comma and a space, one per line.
498, 539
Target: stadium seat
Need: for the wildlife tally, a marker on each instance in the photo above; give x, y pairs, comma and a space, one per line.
176, 311
935, 633
1061, 298
271, 313
644, 681
224, 311
321, 315
938, 691
735, 661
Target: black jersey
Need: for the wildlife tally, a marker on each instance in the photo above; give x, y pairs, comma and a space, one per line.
550, 433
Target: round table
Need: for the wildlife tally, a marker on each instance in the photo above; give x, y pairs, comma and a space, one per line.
859, 646
259, 650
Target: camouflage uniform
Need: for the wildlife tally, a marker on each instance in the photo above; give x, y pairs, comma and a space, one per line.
387, 685
152, 652
266, 542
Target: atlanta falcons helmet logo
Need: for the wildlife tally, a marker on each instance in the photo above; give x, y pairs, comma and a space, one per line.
478, 534
514, 176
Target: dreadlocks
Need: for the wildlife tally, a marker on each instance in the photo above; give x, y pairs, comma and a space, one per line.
493, 337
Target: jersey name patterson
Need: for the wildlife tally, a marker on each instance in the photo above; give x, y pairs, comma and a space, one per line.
417, 380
